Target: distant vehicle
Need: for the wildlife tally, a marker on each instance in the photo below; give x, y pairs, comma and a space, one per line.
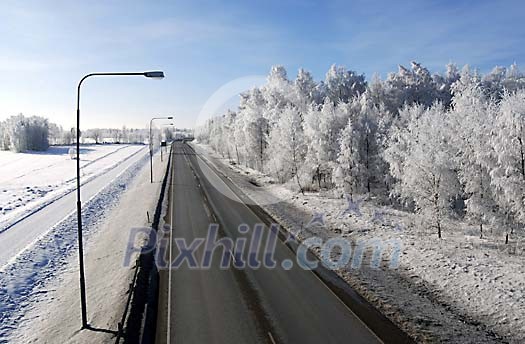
72, 153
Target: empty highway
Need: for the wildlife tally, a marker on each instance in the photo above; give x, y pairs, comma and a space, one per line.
239, 305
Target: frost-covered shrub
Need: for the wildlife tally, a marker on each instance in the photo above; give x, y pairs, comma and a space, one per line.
21, 133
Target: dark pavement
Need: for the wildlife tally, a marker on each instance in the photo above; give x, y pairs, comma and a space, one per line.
240, 305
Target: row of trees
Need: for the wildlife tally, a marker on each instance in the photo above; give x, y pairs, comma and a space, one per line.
124, 135
19, 133
432, 141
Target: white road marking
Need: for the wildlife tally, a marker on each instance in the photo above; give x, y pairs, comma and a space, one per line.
271, 338
232, 255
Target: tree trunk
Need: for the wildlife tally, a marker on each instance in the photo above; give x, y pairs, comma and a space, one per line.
351, 191
367, 164
481, 197
522, 158
298, 183
261, 152
436, 205
481, 230
229, 155
295, 171
319, 176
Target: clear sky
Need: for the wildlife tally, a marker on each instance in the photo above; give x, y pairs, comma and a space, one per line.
47, 46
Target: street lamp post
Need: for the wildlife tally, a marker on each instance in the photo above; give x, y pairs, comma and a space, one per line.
151, 146
152, 74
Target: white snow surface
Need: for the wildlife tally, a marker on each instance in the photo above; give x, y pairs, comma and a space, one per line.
39, 295
38, 217
460, 289
31, 180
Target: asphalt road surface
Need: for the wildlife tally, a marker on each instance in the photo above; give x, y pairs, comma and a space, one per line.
239, 305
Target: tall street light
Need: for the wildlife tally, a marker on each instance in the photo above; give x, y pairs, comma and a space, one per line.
151, 74
151, 146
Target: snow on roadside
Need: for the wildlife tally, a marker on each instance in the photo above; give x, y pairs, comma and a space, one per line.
29, 181
39, 297
458, 289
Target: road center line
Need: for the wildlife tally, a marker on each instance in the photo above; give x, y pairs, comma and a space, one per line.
271, 338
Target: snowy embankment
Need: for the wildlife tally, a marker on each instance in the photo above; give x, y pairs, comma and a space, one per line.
40, 286
30, 181
459, 289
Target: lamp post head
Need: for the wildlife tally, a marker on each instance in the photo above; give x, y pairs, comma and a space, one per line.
154, 74
170, 117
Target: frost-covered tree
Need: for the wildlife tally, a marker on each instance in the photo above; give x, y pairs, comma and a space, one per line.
256, 129
410, 86
125, 134
473, 116
239, 138
508, 177
444, 84
15, 133
341, 84
321, 128
368, 136
4, 138
95, 134
37, 133
515, 79
216, 137
313, 137
493, 82
369, 146
277, 93
501, 80
287, 146
350, 168
376, 91
69, 136
116, 134
228, 131
167, 133
20, 133
56, 134
399, 141
304, 91
426, 174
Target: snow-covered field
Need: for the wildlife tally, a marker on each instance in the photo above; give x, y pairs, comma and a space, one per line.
37, 246
30, 180
459, 289
52, 313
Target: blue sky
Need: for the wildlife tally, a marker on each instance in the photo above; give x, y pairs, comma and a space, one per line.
48, 45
